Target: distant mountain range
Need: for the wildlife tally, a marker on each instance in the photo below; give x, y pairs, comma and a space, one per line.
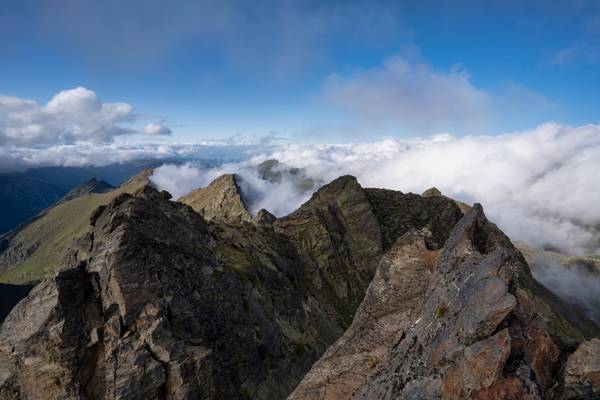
360, 293
23, 195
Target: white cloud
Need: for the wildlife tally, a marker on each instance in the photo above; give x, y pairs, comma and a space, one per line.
411, 95
407, 95
538, 185
157, 130
71, 116
180, 179
279, 197
13, 158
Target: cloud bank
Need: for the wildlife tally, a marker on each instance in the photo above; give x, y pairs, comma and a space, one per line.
279, 196
410, 94
576, 281
406, 94
537, 185
71, 116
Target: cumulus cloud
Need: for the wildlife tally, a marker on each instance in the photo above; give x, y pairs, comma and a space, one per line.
182, 179
157, 130
71, 116
538, 185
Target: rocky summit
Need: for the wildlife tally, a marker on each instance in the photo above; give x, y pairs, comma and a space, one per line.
360, 293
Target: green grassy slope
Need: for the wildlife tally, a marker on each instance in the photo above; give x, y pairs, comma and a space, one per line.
46, 243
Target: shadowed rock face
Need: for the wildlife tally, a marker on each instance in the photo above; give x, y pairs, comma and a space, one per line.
382, 318
339, 242
389, 293
397, 213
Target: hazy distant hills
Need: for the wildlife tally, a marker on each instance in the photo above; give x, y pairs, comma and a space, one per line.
22, 197
24, 194
58, 237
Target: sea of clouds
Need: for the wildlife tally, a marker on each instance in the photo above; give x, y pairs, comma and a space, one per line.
540, 186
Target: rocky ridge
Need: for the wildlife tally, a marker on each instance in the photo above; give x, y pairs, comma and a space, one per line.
469, 322
393, 295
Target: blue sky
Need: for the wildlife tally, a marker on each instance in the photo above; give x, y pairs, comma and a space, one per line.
313, 71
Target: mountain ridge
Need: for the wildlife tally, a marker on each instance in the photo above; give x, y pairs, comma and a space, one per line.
329, 301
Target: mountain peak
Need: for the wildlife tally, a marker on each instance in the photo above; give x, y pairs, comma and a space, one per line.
222, 200
90, 186
432, 192
462, 322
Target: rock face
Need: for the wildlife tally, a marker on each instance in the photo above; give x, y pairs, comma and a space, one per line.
167, 305
478, 327
388, 307
386, 295
582, 371
485, 329
398, 213
432, 192
264, 217
338, 241
160, 309
221, 200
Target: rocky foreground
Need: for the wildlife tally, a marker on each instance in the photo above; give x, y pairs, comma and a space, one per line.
360, 293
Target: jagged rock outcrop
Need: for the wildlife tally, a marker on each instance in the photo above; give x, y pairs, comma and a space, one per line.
432, 192
393, 295
168, 305
483, 328
264, 217
435, 192
42, 339
582, 371
164, 307
398, 213
388, 307
221, 200
486, 329
339, 242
